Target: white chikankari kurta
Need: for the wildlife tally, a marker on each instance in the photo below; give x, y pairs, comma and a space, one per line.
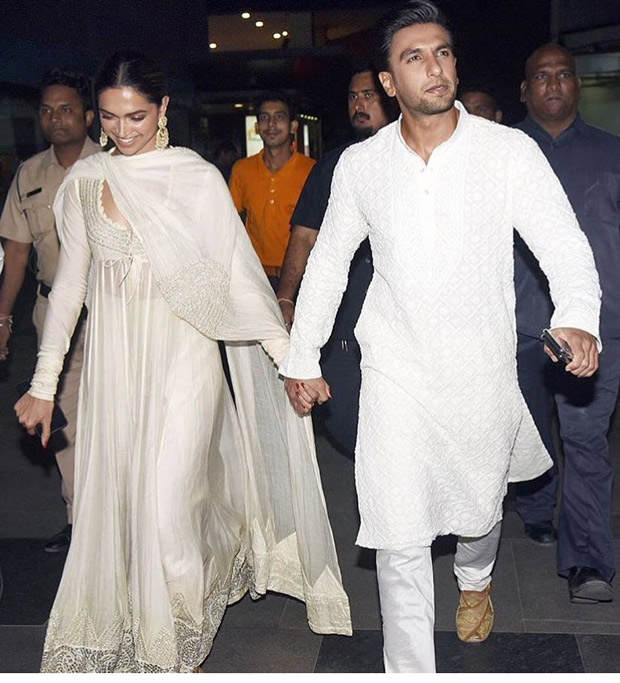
443, 425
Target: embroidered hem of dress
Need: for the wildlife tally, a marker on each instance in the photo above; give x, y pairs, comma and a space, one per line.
120, 648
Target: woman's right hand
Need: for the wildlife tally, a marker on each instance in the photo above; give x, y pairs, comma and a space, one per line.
304, 393
33, 411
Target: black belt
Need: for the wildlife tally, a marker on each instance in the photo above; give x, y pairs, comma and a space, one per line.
44, 290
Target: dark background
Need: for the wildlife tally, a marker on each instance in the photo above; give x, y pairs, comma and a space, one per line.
493, 39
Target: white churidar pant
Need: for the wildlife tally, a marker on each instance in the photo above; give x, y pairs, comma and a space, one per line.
406, 594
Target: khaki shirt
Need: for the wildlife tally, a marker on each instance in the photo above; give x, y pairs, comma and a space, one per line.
28, 216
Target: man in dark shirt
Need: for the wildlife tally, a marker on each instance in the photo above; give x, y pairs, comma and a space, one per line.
587, 162
340, 358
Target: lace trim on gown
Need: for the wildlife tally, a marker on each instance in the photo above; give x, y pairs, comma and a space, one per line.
101, 229
120, 648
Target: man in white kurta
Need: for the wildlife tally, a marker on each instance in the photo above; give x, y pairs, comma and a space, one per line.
443, 426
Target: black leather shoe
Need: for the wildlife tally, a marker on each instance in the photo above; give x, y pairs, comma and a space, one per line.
61, 541
587, 585
543, 533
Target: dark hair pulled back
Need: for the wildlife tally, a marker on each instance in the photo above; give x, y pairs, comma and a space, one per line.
132, 69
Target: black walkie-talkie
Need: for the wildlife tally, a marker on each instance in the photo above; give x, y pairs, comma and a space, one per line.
561, 352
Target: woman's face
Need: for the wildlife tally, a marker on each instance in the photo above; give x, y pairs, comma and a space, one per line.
129, 119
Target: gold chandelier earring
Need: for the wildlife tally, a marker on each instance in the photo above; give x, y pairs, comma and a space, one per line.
103, 138
162, 133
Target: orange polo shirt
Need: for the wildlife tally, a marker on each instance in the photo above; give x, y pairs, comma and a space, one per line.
269, 200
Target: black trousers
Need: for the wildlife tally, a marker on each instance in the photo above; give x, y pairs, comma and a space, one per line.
584, 407
340, 364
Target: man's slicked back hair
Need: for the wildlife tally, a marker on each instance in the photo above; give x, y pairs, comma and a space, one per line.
410, 14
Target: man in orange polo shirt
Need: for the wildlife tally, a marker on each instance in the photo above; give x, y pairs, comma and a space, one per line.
267, 185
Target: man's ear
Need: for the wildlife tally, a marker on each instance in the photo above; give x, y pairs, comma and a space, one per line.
90, 117
523, 90
294, 127
385, 77
256, 127
499, 115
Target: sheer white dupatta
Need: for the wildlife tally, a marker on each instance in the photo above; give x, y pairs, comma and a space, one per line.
179, 207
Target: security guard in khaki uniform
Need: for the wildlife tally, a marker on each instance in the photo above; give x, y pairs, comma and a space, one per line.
65, 114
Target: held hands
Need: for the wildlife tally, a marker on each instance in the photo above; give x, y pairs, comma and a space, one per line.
583, 347
32, 411
303, 394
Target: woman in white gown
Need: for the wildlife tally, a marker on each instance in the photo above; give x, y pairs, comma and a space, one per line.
185, 500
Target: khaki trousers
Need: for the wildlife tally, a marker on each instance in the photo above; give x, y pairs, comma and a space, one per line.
67, 397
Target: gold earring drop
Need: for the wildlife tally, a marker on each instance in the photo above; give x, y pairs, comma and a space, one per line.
162, 133
103, 138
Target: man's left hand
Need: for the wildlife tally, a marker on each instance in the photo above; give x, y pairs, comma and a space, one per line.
583, 347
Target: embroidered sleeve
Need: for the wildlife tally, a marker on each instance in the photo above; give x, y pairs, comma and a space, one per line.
545, 219
198, 294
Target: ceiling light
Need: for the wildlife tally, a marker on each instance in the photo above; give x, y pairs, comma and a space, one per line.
277, 36
259, 24
285, 33
245, 15
213, 45
238, 105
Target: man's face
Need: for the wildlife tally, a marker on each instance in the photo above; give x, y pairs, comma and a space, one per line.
481, 104
274, 124
365, 109
422, 73
551, 89
62, 116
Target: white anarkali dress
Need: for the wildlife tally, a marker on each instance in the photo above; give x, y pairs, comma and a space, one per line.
443, 426
184, 500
